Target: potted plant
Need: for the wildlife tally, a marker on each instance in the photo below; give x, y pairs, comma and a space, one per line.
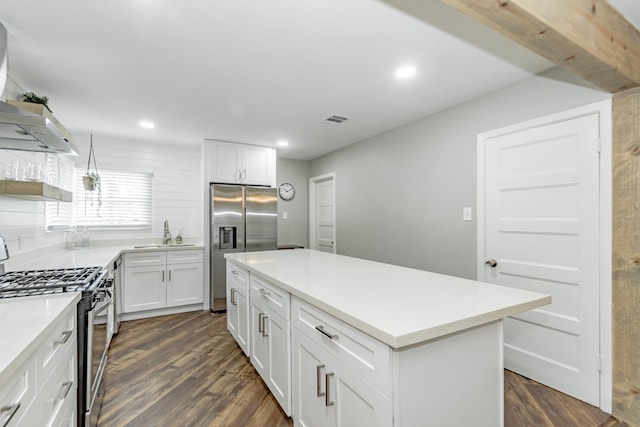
34, 99
91, 180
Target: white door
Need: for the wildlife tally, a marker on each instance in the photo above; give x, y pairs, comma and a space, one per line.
323, 213
259, 346
278, 332
541, 226
310, 366
184, 284
145, 288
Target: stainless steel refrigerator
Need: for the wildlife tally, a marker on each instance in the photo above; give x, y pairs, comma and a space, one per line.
243, 218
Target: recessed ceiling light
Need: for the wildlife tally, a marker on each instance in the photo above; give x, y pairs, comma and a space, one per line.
405, 72
283, 143
147, 125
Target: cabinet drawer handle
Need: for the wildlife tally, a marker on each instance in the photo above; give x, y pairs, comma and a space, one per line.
163, 275
233, 297
9, 411
319, 391
327, 397
66, 386
264, 292
325, 333
260, 325
235, 273
169, 275
64, 339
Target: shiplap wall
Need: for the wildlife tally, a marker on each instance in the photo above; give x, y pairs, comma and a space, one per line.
176, 191
175, 185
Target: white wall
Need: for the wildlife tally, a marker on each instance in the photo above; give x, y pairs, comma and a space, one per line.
176, 191
295, 229
400, 194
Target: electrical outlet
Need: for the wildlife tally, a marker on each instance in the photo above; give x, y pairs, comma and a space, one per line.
467, 214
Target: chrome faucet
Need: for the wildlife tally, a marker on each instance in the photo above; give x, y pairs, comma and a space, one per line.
166, 236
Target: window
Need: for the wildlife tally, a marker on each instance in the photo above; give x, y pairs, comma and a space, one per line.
122, 201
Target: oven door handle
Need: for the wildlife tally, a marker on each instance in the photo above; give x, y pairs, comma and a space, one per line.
103, 304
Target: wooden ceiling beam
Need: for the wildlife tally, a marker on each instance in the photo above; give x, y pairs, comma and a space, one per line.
588, 37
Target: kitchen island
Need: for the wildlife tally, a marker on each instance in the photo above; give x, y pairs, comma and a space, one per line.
396, 346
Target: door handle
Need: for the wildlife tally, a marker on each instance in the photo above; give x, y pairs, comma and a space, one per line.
491, 263
264, 326
319, 391
327, 397
260, 324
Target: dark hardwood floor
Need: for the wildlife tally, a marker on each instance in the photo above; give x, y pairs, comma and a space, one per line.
186, 370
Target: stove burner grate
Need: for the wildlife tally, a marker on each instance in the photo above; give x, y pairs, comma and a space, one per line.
42, 282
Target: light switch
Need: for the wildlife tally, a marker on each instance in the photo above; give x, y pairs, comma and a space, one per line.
285, 215
467, 214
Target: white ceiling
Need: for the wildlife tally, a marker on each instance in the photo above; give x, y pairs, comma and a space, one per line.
253, 71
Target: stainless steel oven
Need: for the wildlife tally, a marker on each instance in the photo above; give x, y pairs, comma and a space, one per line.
96, 287
98, 338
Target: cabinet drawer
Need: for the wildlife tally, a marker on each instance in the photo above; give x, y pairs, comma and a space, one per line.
269, 295
185, 257
59, 391
141, 259
369, 358
237, 276
55, 345
17, 393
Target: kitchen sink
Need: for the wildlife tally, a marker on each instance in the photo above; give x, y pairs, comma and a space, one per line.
171, 245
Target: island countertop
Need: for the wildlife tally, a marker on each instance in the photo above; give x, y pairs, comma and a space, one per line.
397, 305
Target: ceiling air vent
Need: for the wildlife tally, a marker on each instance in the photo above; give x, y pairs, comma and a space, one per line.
335, 120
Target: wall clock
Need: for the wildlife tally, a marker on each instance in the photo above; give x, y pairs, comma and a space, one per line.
286, 191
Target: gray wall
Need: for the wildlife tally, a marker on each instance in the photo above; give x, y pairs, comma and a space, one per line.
295, 229
400, 194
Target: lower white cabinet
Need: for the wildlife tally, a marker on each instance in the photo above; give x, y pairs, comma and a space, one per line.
43, 391
327, 393
238, 305
270, 345
322, 372
162, 279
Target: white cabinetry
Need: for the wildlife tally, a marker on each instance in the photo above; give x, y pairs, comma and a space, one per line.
271, 338
161, 279
341, 377
232, 163
238, 305
43, 391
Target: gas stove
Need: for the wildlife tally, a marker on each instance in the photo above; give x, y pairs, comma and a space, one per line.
44, 282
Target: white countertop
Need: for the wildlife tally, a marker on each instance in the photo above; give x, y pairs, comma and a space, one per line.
399, 306
24, 322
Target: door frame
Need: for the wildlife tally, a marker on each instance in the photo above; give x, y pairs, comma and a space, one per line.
603, 109
313, 181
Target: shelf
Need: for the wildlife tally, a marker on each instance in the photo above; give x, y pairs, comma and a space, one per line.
34, 190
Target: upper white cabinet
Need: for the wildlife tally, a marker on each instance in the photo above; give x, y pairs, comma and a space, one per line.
231, 163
